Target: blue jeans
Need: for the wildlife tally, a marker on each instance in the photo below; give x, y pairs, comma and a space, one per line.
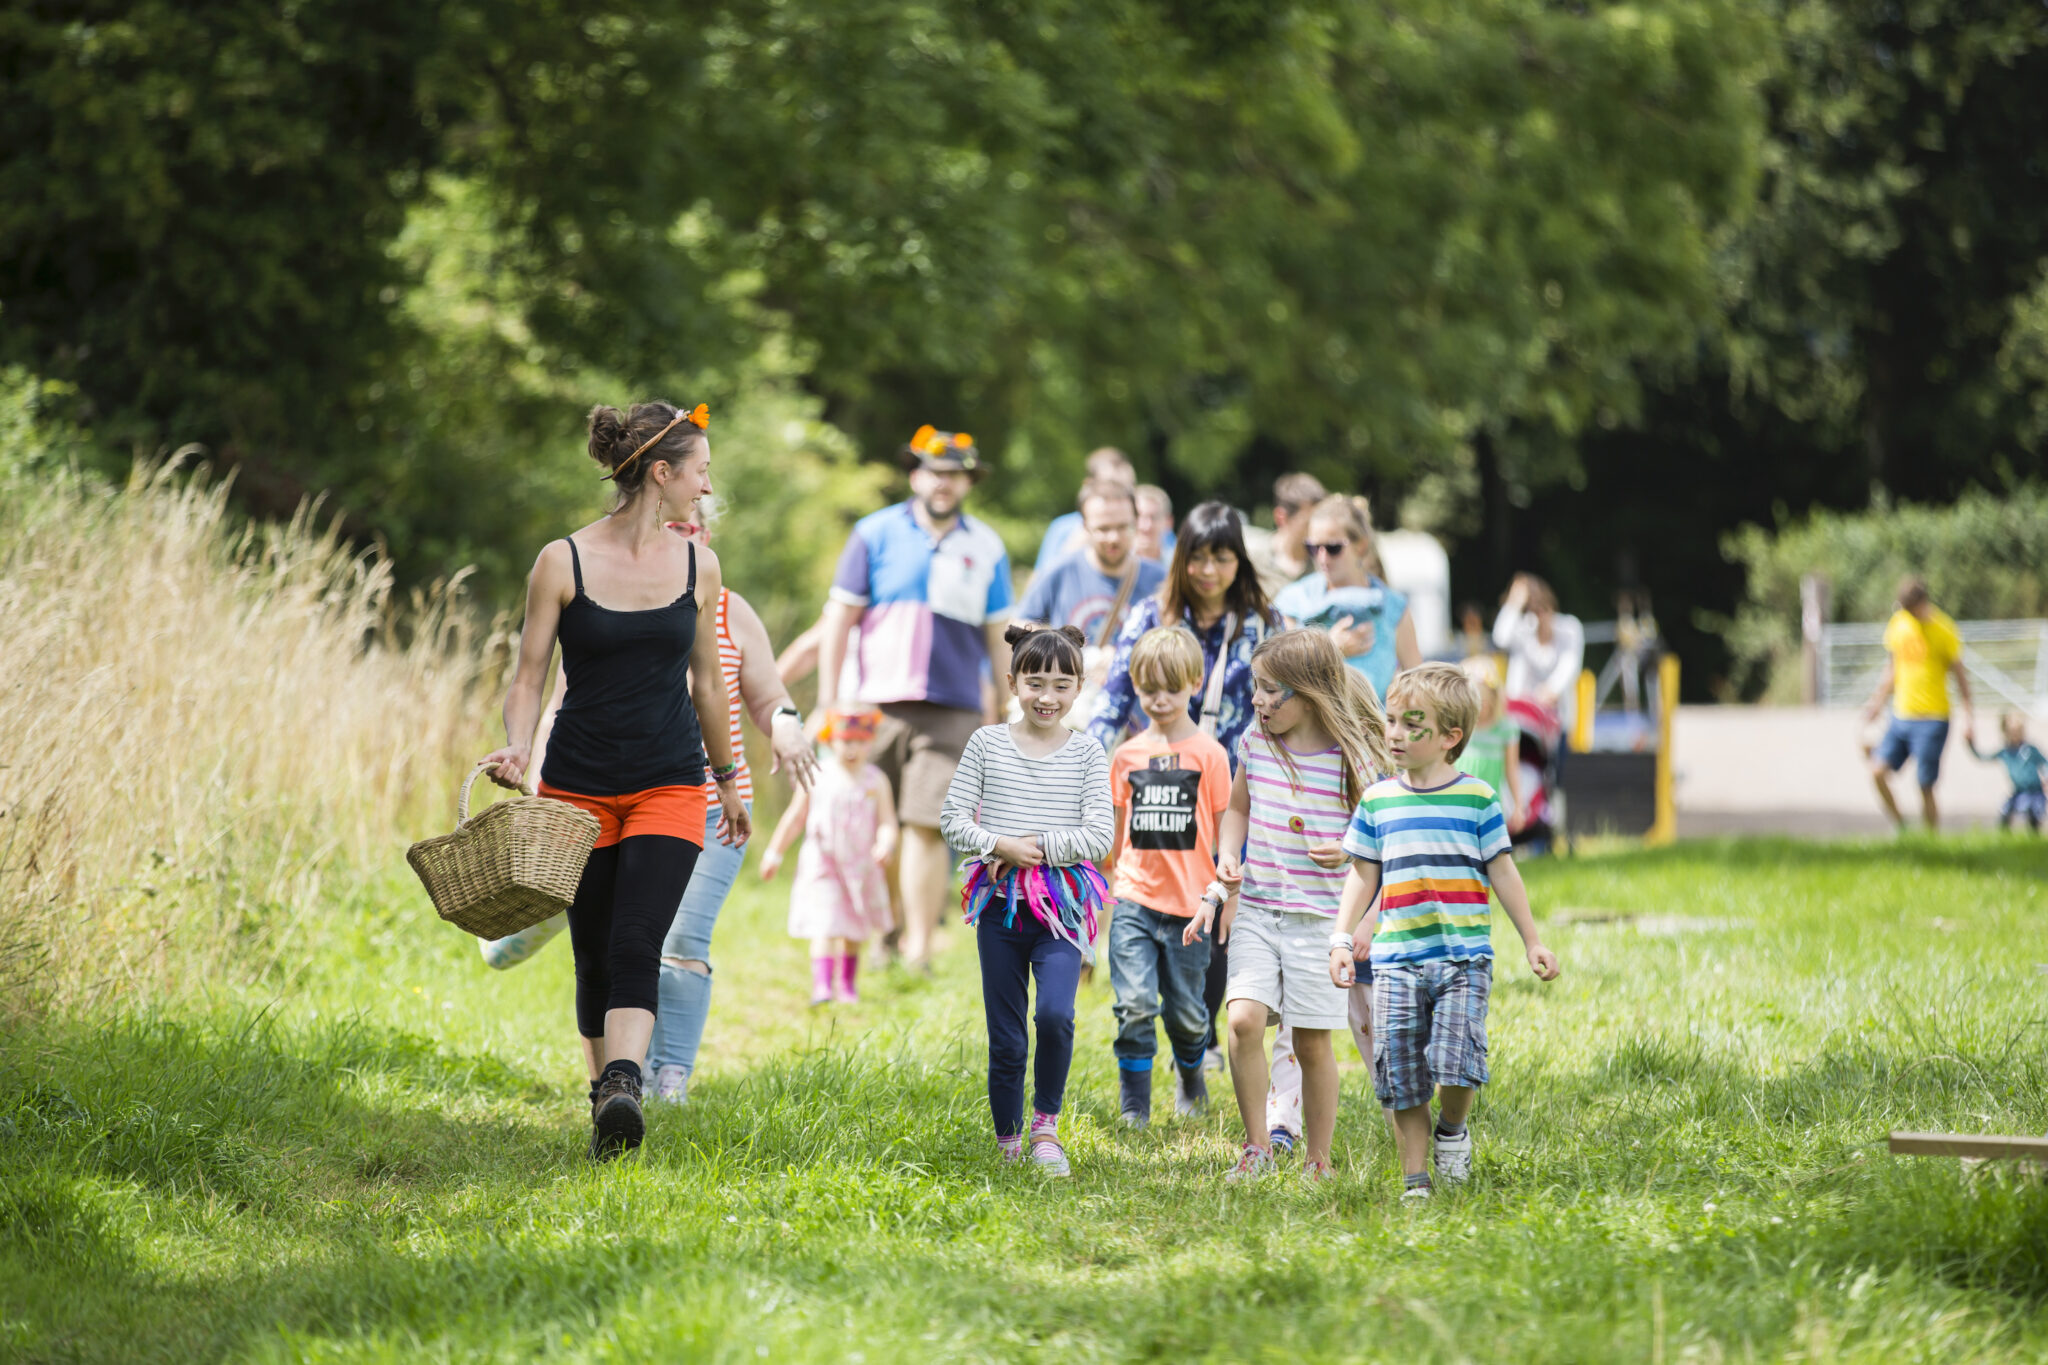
1156, 977
1009, 958
1923, 739
686, 995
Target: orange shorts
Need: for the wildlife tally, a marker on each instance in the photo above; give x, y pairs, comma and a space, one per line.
675, 811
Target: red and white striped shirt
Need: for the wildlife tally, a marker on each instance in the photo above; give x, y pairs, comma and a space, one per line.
729, 665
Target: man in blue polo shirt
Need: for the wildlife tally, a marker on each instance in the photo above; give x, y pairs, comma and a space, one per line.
929, 587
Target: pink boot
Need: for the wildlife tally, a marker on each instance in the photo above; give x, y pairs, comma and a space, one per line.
844, 990
821, 980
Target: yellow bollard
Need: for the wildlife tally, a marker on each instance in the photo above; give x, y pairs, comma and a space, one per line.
1664, 829
1582, 721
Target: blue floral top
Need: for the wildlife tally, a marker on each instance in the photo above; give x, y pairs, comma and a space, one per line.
1116, 710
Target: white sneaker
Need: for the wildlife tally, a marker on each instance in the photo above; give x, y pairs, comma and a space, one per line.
1212, 1060
1253, 1163
1049, 1156
1453, 1158
1417, 1194
671, 1083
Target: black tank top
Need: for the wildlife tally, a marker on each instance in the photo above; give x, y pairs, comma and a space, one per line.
626, 722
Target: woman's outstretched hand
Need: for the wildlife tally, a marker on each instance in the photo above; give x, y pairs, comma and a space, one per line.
793, 752
507, 766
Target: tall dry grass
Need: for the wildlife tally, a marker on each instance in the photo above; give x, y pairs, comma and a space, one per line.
204, 726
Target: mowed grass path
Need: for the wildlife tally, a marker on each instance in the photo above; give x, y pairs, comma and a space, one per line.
1681, 1158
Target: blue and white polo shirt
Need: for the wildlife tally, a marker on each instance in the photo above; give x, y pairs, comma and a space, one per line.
927, 605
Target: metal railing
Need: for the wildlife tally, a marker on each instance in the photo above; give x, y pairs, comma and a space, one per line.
2007, 662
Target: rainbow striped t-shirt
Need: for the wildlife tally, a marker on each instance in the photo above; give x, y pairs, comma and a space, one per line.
1279, 876
1432, 846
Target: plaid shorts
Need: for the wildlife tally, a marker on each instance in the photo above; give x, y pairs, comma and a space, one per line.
1429, 1028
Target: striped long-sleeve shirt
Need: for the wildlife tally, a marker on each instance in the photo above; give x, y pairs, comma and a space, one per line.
1062, 798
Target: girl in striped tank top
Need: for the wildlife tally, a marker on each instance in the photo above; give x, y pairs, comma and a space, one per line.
1320, 742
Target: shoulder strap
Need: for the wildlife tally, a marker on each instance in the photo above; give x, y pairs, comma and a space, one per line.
1212, 698
575, 564
690, 589
1116, 608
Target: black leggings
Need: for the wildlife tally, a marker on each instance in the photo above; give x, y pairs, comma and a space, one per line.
622, 912
1212, 985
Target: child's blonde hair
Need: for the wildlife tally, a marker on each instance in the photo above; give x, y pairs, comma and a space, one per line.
1339, 698
1167, 659
1485, 675
1454, 696
2013, 724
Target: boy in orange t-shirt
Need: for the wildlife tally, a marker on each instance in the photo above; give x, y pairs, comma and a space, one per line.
1170, 783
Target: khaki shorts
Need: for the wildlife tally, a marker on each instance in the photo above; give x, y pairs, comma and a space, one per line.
917, 747
1283, 962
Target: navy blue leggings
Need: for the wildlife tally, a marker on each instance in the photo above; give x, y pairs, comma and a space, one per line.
1009, 958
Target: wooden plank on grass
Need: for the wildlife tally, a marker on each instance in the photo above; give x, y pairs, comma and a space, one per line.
1984, 1145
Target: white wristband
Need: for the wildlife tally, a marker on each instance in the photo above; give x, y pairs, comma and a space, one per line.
1343, 941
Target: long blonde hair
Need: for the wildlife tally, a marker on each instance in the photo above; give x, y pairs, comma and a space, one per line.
1337, 696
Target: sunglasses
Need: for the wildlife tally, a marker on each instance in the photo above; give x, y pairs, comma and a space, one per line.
1333, 549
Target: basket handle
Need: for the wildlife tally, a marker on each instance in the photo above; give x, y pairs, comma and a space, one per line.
462, 800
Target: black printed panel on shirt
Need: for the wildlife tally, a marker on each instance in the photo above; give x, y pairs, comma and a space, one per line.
1163, 808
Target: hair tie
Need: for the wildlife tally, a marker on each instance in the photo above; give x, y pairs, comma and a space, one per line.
699, 415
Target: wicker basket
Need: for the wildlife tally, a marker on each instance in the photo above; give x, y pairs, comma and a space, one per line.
514, 865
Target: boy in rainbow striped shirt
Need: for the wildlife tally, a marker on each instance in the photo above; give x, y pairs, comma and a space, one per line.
1429, 842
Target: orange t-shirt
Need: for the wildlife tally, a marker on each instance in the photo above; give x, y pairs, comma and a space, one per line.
1168, 798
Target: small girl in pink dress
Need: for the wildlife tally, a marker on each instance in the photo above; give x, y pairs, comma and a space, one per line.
839, 898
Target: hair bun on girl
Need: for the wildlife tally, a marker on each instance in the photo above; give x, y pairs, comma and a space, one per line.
1019, 631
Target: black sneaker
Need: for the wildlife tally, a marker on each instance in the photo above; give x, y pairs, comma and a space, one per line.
1137, 1098
616, 1123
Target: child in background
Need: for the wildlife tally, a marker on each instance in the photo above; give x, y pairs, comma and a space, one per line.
1492, 753
1429, 842
1030, 804
1320, 742
1169, 784
840, 897
2023, 764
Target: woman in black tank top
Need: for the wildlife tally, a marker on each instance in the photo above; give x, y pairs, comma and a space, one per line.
623, 596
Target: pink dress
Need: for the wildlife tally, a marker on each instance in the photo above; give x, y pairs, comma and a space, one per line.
839, 891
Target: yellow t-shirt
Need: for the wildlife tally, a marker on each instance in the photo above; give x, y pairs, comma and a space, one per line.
1922, 652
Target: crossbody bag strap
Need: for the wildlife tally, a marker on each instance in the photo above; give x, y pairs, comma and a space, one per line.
1116, 608
1212, 696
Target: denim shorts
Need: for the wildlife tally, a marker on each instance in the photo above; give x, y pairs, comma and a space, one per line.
1429, 1028
1923, 739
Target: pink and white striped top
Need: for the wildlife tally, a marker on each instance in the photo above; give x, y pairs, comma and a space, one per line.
1279, 876
729, 664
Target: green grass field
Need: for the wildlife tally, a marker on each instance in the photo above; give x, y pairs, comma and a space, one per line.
378, 1156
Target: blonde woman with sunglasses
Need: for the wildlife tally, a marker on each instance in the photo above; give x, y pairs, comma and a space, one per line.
1345, 597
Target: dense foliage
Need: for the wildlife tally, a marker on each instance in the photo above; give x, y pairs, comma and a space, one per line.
1521, 271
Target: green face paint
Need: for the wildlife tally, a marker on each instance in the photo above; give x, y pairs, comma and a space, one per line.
1415, 723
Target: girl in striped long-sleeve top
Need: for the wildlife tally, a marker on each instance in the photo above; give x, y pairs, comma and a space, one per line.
1030, 803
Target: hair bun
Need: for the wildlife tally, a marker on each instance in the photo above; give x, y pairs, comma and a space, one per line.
607, 431
1074, 635
1018, 631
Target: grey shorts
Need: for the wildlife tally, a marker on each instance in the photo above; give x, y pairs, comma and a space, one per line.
1283, 962
1429, 1028
917, 747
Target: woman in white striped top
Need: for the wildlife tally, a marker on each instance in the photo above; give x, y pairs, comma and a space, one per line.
1030, 803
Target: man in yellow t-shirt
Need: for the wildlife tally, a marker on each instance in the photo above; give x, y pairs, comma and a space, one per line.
1924, 652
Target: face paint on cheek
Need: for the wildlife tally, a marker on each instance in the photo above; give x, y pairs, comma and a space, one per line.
1414, 721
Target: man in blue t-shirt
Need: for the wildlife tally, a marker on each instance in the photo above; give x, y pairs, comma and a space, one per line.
929, 587
1064, 537
1084, 590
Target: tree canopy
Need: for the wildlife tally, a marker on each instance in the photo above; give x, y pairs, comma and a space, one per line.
1508, 265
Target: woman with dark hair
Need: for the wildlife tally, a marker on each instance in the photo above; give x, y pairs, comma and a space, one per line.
1212, 590
624, 597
